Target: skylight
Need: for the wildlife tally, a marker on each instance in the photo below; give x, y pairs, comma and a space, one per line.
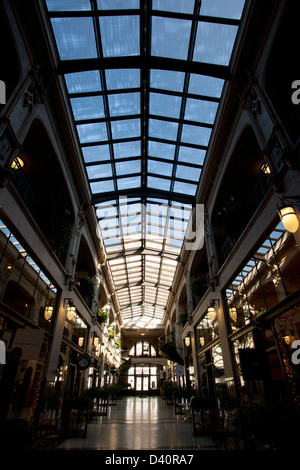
144, 81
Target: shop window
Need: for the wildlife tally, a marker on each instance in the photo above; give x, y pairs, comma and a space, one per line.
207, 330
142, 378
76, 330
142, 348
248, 369
25, 288
266, 278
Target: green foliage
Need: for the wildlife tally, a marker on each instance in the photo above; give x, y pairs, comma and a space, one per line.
183, 317
102, 316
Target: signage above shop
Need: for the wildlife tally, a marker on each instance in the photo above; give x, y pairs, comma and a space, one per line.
83, 361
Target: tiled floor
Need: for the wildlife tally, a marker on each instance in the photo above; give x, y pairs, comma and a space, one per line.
137, 423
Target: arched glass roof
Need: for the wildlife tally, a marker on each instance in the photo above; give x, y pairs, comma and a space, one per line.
144, 80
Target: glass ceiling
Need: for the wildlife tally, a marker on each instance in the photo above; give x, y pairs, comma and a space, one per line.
144, 80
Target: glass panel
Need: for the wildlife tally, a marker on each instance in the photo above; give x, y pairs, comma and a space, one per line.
159, 149
219, 8
83, 82
127, 149
165, 105
118, 79
191, 155
123, 168
122, 104
75, 38
103, 186
120, 35
90, 107
195, 135
185, 188
160, 168
118, 4
92, 132
68, 5
206, 86
158, 183
188, 173
99, 171
163, 129
174, 5
214, 43
167, 80
96, 153
170, 37
127, 183
201, 111
126, 128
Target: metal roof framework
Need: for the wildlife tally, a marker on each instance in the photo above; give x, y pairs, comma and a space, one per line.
144, 81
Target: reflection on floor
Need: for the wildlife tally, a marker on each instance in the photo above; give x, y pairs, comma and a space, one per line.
139, 423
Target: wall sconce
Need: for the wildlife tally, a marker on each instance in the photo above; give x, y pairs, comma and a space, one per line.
187, 341
71, 310
211, 313
17, 163
202, 340
287, 339
80, 341
288, 214
265, 169
233, 313
48, 312
96, 341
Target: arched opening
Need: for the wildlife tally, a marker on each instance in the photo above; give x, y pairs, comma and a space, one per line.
282, 71
85, 273
243, 188
42, 187
10, 74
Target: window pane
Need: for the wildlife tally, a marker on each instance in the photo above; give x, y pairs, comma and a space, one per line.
188, 173
68, 5
123, 168
75, 38
195, 135
214, 43
167, 80
159, 149
163, 129
83, 82
127, 183
117, 79
96, 153
126, 128
191, 155
158, 183
186, 6
118, 4
206, 86
102, 186
229, 9
90, 107
99, 171
120, 35
160, 168
201, 111
185, 188
165, 105
123, 104
127, 149
170, 37
92, 132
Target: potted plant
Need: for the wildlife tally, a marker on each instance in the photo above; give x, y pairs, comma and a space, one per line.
102, 316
